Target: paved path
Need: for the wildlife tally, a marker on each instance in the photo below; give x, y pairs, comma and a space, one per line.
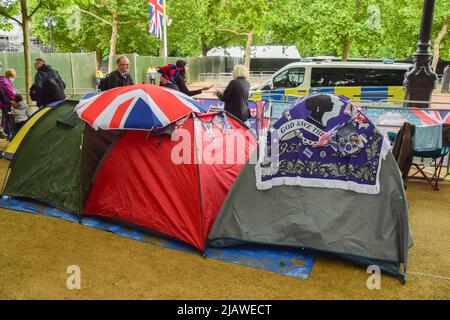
440, 99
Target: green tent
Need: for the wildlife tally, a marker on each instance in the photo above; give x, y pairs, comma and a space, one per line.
54, 163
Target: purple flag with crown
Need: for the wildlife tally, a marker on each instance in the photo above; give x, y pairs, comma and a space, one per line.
322, 141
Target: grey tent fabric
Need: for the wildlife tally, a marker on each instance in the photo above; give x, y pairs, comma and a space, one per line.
368, 229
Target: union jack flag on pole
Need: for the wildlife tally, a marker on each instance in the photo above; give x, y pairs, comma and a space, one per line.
156, 8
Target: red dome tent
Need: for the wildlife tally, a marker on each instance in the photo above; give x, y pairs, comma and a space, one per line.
173, 183
135, 162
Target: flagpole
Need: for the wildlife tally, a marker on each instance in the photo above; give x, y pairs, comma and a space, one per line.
165, 30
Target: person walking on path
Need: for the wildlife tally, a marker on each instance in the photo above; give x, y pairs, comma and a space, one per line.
48, 84
151, 73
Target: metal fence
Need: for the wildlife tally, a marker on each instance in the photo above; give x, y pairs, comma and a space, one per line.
222, 78
77, 69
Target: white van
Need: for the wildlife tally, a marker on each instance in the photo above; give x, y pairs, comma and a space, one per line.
360, 81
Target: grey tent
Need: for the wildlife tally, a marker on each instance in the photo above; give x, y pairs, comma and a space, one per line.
369, 229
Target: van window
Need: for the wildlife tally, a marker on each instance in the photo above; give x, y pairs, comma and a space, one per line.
290, 78
379, 77
333, 77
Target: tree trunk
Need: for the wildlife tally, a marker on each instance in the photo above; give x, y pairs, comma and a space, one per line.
356, 18
248, 48
205, 49
113, 42
26, 47
346, 49
438, 40
99, 58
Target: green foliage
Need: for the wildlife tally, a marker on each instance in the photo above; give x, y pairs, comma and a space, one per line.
373, 28
77, 30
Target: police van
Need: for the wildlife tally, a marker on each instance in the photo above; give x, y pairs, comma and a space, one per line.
360, 81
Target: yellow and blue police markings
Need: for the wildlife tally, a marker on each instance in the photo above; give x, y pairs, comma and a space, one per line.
396, 93
353, 93
379, 93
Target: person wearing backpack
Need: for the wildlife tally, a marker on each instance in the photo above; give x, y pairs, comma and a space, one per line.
48, 85
119, 77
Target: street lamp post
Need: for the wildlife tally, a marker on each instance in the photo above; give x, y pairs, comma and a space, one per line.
421, 79
50, 22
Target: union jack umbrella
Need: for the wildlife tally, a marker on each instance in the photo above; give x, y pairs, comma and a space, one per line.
139, 107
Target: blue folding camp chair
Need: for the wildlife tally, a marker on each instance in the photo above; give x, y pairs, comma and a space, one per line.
437, 161
391, 137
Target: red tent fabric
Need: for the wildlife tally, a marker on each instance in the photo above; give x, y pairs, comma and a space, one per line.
140, 183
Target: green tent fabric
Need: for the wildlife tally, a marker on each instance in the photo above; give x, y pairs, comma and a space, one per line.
57, 160
46, 166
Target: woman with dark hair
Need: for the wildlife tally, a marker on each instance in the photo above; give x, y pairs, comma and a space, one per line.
181, 78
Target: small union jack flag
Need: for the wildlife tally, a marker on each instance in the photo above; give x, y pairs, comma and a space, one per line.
156, 8
432, 117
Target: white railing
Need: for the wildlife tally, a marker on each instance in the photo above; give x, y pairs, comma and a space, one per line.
224, 77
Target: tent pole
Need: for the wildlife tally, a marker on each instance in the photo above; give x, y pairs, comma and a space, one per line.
80, 179
6, 178
197, 160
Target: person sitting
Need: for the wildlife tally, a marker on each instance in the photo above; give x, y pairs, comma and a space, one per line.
168, 75
120, 77
166, 83
181, 79
236, 93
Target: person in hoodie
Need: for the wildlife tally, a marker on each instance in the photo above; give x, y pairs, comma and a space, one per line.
48, 85
9, 93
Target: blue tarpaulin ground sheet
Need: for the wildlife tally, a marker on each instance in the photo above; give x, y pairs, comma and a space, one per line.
287, 261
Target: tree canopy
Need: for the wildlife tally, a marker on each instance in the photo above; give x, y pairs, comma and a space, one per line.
343, 28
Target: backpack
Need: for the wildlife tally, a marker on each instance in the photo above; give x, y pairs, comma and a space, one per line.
33, 93
54, 86
104, 83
